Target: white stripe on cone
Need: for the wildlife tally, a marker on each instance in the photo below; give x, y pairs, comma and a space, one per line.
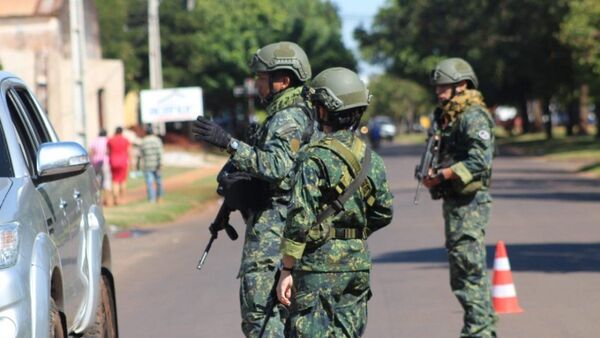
501, 264
504, 291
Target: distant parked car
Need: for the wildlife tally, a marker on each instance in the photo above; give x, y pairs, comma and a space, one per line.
55, 261
385, 125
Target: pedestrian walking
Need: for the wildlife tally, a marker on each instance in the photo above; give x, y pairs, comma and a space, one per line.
149, 162
118, 153
466, 152
100, 162
134, 136
340, 196
281, 70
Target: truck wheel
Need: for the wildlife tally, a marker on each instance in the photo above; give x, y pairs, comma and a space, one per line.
56, 327
105, 325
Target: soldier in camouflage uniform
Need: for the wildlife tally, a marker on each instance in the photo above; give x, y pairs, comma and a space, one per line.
281, 69
466, 152
329, 254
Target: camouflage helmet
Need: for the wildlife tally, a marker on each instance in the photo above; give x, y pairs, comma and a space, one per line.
282, 55
339, 89
453, 70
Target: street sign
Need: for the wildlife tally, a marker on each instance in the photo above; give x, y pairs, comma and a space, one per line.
171, 105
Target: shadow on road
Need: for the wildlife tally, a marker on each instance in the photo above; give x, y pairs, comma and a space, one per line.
540, 257
561, 196
401, 149
532, 171
575, 189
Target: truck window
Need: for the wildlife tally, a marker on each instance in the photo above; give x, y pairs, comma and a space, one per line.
27, 140
5, 162
31, 109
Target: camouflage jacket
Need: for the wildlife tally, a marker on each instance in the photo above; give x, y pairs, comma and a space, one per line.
468, 142
276, 142
318, 171
271, 158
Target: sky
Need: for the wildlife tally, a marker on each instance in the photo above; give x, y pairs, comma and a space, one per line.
353, 14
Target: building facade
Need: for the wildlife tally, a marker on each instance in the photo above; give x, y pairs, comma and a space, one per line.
35, 40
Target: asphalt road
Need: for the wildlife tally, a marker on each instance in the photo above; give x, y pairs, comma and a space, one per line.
548, 217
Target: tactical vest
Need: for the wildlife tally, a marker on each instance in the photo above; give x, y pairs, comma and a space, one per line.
354, 178
450, 146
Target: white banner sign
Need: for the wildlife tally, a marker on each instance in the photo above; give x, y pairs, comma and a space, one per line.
171, 105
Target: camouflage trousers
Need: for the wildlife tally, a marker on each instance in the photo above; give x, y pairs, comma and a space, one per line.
329, 304
255, 299
465, 222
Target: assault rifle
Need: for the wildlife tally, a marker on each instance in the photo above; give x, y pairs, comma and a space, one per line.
429, 160
221, 222
273, 301
231, 185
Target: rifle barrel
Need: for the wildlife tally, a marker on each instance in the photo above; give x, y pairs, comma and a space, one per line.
205, 254
416, 200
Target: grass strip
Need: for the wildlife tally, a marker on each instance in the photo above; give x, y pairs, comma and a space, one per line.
166, 172
173, 205
585, 149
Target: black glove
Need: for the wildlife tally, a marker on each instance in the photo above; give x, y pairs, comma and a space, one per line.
210, 132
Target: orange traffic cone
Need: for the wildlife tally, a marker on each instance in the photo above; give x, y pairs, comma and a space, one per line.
504, 295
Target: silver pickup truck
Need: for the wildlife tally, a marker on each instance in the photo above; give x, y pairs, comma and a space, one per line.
55, 261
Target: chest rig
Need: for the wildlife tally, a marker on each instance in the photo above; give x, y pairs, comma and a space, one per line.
454, 148
354, 178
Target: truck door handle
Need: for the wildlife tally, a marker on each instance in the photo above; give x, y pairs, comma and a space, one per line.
77, 194
63, 204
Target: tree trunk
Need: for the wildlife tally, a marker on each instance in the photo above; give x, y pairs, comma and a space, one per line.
597, 120
534, 110
525, 124
410, 120
584, 98
547, 117
572, 116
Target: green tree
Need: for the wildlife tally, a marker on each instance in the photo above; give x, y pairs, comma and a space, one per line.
404, 100
512, 44
120, 35
211, 45
580, 30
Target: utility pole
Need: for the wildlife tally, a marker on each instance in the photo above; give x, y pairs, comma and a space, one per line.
155, 60
78, 55
154, 55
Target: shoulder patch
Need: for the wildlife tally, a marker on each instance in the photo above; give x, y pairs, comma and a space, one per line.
295, 145
484, 135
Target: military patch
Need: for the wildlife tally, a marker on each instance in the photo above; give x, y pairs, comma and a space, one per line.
484, 135
295, 144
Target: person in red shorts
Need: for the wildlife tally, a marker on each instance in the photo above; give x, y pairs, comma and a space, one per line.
118, 154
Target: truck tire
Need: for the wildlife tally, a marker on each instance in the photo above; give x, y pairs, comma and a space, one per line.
106, 323
56, 326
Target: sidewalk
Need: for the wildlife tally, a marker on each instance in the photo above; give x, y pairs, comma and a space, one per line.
206, 165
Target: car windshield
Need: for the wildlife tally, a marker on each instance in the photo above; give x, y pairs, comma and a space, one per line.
382, 119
